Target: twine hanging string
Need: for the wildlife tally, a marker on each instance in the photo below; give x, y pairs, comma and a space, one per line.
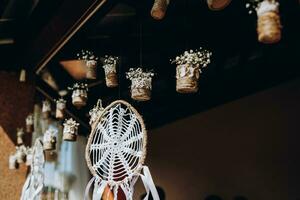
141, 42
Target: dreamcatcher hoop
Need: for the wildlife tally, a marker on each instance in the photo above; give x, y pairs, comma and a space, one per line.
116, 151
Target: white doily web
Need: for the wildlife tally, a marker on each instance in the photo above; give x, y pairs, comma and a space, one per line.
117, 147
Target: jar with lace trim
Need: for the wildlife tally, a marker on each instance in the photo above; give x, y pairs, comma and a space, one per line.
70, 130
49, 139
141, 83
79, 94
28, 156
12, 162
159, 9
46, 109
90, 61
217, 4
268, 20
29, 123
21, 154
188, 69
95, 113
60, 108
110, 70
20, 135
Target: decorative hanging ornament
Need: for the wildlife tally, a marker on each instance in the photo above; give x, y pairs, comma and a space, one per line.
110, 70
268, 20
21, 154
79, 94
29, 155
95, 113
70, 131
188, 69
141, 83
46, 109
159, 9
49, 139
116, 151
34, 183
29, 123
217, 4
12, 162
22, 75
20, 134
60, 108
91, 63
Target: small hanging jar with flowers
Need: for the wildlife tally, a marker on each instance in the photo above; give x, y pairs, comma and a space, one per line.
12, 162
46, 109
90, 61
21, 154
141, 83
29, 123
95, 113
268, 20
79, 94
110, 70
70, 130
60, 108
189, 65
217, 4
20, 135
159, 9
29, 156
49, 139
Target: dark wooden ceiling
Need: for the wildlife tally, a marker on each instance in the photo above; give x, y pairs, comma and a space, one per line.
240, 66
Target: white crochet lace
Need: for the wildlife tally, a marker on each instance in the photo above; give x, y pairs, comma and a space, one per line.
116, 151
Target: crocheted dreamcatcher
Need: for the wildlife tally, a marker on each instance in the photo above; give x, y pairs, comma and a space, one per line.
116, 151
33, 185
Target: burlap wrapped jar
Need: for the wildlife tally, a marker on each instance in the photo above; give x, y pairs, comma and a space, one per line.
70, 130
12, 162
268, 22
60, 108
79, 97
49, 139
20, 154
159, 9
29, 123
111, 77
50, 156
20, 134
46, 109
91, 69
50, 145
141, 94
187, 77
217, 4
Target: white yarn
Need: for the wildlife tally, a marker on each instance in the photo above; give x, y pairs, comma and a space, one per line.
116, 151
33, 186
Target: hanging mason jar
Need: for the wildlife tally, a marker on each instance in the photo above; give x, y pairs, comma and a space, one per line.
29, 156
29, 123
91, 63
159, 9
79, 94
20, 134
46, 109
49, 139
96, 112
12, 162
141, 83
268, 20
218, 4
60, 108
188, 69
70, 130
21, 154
110, 70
